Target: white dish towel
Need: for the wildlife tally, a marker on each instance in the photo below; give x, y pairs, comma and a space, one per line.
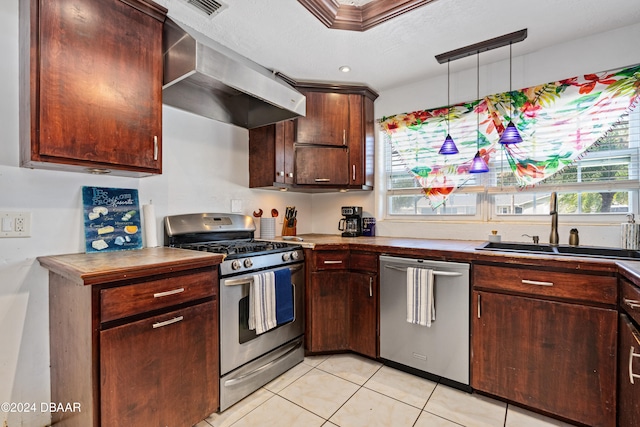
421, 304
262, 302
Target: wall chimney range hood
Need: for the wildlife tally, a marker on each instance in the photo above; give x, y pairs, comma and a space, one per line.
205, 78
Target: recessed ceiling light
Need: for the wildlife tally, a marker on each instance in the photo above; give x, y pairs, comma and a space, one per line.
345, 68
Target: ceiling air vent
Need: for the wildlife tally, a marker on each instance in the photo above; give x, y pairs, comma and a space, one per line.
209, 7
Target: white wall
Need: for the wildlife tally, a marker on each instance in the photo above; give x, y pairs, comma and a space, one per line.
205, 167
596, 53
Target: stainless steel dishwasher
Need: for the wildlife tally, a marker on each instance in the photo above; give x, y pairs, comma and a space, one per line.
441, 350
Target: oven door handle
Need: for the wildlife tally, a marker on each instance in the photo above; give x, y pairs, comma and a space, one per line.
263, 367
248, 280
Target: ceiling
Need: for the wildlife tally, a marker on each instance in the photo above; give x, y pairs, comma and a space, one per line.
282, 35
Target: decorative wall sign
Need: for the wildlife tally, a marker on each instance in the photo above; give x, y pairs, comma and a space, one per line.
111, 219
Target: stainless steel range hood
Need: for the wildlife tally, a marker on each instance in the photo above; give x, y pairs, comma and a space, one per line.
203, 77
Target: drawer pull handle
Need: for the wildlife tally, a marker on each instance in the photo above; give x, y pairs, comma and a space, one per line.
632, 354
332, 262
167, 293
168, 322
322, 180
535, 282
632, 303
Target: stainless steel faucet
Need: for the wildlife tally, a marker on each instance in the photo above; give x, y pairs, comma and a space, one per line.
553, 211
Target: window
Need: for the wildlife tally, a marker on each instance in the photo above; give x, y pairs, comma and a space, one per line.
584, 146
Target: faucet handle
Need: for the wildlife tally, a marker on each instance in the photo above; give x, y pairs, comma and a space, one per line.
536, 239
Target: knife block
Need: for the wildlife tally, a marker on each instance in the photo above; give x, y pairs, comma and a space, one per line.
289, 231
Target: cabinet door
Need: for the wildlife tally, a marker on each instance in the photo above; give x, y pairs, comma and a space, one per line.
361, 141
629, 374
327, 119
284, 153
100, 85
322, 165
364, 324
329, 311
556, 357
157, 372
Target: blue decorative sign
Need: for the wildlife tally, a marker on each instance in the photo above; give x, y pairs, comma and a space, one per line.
111, 219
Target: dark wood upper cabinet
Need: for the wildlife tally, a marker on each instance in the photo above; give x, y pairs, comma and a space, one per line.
327, 119
330, 149
91, 87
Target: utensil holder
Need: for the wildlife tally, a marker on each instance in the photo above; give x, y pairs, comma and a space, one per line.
267, 228
287, 230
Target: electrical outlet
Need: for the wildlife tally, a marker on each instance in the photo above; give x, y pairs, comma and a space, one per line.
15, 224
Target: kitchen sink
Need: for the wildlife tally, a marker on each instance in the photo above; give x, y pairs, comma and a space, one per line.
585, 251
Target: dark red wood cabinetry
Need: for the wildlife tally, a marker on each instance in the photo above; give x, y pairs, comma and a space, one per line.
547, 340
92, 86
329, 149
629, 356
342, 309
134, 337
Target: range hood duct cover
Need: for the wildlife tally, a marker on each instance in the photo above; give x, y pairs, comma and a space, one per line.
205, 78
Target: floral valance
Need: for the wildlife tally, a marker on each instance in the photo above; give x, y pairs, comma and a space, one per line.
558, 121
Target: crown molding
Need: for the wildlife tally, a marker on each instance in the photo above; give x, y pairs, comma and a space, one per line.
353, 18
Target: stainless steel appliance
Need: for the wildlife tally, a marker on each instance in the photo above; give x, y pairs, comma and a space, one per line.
351, 224
247, 361
441, 350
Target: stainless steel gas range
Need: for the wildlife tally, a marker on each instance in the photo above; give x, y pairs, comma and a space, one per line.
247, 360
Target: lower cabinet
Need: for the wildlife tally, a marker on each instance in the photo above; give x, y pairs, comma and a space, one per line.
628, 374
152, 370
343, 304
550, 355
329, 311
133, 344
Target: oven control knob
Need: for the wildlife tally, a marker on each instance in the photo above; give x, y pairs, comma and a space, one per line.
235, 265
286, 256
248, 262
295, 255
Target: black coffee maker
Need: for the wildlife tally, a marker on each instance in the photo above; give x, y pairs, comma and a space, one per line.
351, 224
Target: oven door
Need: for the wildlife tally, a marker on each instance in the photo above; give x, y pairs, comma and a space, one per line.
238, 344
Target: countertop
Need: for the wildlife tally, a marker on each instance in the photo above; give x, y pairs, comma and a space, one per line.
104, 267
458, 250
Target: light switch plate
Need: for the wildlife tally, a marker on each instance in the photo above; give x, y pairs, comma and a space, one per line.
15, 224
236, 206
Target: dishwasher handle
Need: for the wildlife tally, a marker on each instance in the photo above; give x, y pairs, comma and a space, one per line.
435, 272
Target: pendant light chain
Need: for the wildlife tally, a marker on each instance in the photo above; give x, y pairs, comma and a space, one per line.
510, 83
448, 146
478, 165
448, 95
510, 135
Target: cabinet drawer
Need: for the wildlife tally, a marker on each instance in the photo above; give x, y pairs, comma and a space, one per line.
574, 286
332, 260
137, 298
630, 299
363, 261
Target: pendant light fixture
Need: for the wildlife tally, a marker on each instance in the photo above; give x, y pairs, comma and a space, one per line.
510, 135
448, 146
478, 165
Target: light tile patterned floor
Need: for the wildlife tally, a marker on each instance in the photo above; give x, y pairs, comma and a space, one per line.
350, 391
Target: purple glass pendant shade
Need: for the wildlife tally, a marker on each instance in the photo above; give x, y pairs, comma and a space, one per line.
510, 135
478, 165
448, 146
